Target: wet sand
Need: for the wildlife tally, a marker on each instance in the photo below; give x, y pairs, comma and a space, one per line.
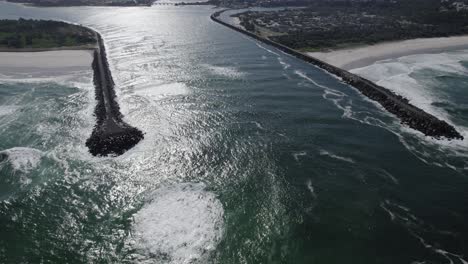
44, 64
47, 59
366, 55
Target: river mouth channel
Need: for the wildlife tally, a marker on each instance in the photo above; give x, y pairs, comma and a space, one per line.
249, 156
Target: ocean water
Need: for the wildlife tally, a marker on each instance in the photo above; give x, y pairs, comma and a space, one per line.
249, 156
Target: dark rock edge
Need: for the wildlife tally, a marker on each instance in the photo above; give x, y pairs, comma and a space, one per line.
409, 114
111, 135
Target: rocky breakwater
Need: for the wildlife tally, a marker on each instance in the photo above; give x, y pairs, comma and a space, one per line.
409, 114
111, 135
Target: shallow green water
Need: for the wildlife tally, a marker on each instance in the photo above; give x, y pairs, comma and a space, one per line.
250, 156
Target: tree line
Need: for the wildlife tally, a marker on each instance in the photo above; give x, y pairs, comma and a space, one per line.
24, 33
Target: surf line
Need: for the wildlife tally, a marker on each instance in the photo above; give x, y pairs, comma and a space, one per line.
111, 135
408, 114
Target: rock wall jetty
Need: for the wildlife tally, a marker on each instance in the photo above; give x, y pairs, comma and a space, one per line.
409, 114
111, 135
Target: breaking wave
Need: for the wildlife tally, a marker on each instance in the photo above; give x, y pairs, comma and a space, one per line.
417, 77
400, 75
181, 224
22, 159
406, 76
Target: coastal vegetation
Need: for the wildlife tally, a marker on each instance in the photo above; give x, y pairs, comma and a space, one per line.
42, 34
111, 135
85, 2
409, 114
336, 24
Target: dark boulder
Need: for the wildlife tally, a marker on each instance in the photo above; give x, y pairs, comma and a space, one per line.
408, 114
111, 135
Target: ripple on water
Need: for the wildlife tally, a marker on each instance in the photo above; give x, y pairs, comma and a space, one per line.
182, 224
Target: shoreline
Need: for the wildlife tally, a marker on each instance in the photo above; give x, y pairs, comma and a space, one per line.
75, 5
45, 61
111, 135
64, 48
408, 114
361, 56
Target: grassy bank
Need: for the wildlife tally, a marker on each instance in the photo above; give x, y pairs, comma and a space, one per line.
42, 34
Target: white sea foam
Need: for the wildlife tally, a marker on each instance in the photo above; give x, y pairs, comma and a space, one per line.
341, 101
335, 96
284, 64
311, 188
23, 159
397, 75
79, 79
181, 224
400, 79
258, 125
304, 76
7, 109
444, 62
266, 49
229, 72
389, 176
347, 57
390, 213
331, 155
402, 214
416, 92
298, 154
403, 76
162, 90
380, 71
450, 257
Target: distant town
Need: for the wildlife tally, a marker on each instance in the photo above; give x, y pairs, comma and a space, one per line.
447, 5
337, 24
85, 2
316, 25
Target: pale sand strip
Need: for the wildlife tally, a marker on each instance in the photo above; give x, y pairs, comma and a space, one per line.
362, 56
47, 59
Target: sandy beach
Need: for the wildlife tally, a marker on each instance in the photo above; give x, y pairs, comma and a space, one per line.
44, 63
362, 56
47, 59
